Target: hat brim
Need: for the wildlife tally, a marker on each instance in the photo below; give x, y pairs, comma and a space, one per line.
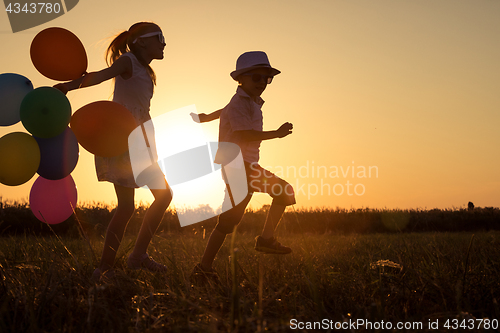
238, 72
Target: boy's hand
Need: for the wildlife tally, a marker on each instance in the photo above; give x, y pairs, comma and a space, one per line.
284, 130
195, 117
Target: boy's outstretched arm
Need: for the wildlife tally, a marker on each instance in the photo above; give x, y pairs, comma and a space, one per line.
203, 117
252, 135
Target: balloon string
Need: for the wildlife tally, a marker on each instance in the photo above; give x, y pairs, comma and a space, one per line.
83, 80
147, 143
60, 241
83, 233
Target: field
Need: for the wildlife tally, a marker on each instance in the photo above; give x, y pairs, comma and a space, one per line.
382, 267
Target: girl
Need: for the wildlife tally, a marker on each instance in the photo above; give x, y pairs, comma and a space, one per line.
129, 56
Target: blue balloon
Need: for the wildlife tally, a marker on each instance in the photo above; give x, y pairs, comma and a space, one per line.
58, 155
13, 88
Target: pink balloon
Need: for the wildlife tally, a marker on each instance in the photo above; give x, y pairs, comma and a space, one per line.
52, 201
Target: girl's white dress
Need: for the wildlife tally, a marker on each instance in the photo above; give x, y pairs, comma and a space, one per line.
135, 94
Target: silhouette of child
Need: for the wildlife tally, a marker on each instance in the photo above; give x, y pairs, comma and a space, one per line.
241, 122
129, 56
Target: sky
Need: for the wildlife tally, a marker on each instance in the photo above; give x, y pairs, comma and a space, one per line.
395, 104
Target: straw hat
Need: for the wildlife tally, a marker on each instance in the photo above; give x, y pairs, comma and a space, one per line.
252, 60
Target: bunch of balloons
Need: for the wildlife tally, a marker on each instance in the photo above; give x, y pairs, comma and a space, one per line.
50, 149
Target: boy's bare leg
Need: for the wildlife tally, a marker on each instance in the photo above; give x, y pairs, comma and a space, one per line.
217, 237
273, 218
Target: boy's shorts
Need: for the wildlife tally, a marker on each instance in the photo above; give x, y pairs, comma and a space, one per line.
258, 180
264, 181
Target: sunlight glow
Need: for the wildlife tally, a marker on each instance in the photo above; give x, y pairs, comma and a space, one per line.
176, 131
186, 160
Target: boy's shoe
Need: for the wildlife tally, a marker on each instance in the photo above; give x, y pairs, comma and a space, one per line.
145, 262
270, 245
201, 276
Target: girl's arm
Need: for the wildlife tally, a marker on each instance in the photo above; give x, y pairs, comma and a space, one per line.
122, 66
202, 117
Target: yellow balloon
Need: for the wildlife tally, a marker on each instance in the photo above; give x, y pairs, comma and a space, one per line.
19, 158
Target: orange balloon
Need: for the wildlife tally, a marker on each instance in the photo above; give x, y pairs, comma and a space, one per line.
103, 128
58, 54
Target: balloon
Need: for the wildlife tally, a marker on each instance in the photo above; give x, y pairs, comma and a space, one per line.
58, 155
45, 112
20, 158
103, 127
13, 88
53, 201
58, 54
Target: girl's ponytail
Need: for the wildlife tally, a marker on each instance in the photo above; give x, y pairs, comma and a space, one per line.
118, 46
123, 44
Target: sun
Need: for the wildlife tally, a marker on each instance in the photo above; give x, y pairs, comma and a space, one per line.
184, 153
176, 131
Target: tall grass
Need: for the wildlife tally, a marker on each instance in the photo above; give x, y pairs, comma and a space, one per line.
346, 265
17, 218
45, 283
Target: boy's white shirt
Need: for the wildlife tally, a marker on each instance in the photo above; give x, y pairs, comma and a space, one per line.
242, 113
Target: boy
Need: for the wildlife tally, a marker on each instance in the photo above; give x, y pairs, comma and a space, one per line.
241, 123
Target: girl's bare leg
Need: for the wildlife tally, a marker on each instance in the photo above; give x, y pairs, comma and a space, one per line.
117, 225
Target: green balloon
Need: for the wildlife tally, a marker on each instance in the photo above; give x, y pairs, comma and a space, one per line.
45, 112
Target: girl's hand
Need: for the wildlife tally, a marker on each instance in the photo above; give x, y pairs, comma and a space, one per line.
62, 88
284, 130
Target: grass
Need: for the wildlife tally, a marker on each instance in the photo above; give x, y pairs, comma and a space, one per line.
16, 218
391, 265
45, 285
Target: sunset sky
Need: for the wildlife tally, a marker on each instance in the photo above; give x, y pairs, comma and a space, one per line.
404, 93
